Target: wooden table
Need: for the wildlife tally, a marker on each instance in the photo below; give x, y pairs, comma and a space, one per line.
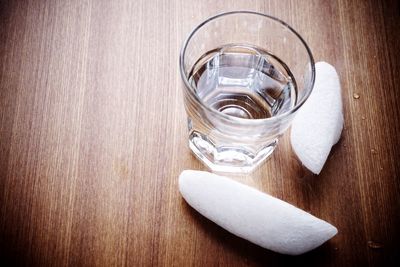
93, 136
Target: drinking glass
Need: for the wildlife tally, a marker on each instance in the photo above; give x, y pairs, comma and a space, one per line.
245, 76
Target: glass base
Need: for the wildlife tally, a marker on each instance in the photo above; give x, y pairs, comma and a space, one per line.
228, 159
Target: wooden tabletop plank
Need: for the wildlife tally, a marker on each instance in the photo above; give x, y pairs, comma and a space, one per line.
93, 136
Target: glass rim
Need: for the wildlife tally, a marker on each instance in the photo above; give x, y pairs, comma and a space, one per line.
233, 118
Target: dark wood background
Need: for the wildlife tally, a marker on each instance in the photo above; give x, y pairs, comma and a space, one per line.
93, 136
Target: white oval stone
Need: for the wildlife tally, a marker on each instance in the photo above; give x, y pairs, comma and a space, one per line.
255, 216
319, 122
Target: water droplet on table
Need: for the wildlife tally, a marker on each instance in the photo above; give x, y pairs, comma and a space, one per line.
374, 245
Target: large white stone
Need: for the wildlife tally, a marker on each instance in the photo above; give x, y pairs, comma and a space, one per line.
319, 122
255, 216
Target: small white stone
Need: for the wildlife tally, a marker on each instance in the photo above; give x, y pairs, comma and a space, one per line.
319, 122
255, 216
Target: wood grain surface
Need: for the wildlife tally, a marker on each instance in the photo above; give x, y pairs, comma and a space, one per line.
93, 136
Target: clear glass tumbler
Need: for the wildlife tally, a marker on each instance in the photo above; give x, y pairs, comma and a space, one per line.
245, 75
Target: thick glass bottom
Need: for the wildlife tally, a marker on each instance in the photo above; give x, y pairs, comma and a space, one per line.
228, 159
